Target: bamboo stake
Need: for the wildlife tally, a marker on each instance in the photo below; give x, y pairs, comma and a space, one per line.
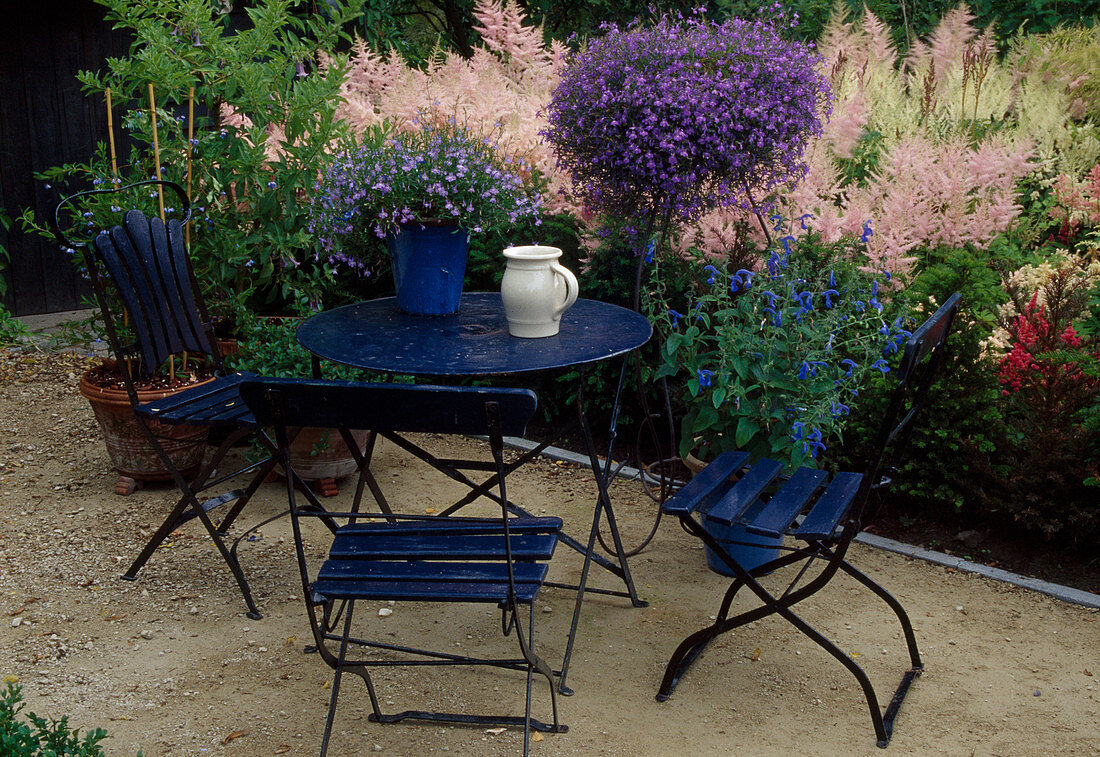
111, 135
156, 148
114, 170
190, 148
160, 190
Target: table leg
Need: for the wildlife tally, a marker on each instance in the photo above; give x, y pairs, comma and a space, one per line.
603, 505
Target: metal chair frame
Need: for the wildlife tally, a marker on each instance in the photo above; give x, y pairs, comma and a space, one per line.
386, 556
146, 261
824, 516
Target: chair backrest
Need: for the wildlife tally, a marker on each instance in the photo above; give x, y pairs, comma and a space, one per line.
395, 408
147, 261
924, 354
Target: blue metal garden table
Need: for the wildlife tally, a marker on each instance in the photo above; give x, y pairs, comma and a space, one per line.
474, 343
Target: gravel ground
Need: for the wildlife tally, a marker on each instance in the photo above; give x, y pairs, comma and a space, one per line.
170, 664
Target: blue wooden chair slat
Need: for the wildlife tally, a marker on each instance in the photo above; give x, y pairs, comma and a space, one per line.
394, 557
432, 545
457, 526
820, 517
144, 261
831, 508
786, 504
399, 570
743, 494
703, 489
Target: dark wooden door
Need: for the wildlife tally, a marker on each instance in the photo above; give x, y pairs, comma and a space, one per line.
45, 120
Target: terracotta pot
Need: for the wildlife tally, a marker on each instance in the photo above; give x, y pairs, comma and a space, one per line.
130, 452
317, 454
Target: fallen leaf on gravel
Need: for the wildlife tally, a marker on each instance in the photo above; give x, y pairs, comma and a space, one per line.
755, 655
495, 731
1088, 672
536, 736
290, 640
13, 613
233, 735
282, 749
15, 679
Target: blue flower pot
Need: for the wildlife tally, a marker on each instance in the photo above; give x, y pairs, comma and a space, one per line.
429, 263
747, 557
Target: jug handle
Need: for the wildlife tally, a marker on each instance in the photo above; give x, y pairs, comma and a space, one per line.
572, 289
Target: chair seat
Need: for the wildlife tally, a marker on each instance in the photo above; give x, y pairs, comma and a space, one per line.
215, 403
441, 539
766, 502
435, 581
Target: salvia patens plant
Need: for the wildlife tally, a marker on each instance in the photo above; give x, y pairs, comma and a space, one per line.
670, 120
431, 174
772, 361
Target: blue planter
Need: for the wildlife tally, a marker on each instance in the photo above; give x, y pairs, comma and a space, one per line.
429, 263
747, 557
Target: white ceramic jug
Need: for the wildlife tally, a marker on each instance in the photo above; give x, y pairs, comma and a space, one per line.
536, 290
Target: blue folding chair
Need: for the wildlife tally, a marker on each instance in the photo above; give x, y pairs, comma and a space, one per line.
821, 516
143, 260
382, 556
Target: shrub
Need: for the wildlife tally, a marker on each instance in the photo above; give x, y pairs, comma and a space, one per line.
772, 362
39, 737
665, 122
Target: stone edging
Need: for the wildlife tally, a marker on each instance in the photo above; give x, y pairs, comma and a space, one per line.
1064, 593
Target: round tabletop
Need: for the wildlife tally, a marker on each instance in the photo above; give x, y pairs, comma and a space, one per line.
375, 335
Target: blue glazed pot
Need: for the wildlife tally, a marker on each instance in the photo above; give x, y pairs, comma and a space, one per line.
747, 557
429, 263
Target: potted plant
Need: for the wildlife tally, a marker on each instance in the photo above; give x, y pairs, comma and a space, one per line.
269, 348
771, 362
423, 191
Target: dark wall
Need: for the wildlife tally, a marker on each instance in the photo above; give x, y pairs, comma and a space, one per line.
45, 120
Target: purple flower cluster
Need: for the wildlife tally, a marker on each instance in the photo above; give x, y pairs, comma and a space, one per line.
683, 116
432, 174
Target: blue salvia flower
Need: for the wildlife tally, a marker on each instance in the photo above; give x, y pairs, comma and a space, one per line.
890, 348
675, 316
802, 220
650, 248
867, 232
705, 377
771, 297
713, 273
829, 294
787, 244
887, 274
803, 371
778, 219
837, 409
852, 365
733, 284
745, 277
884, 330
832, 279
797, 430
807, 300
774, 264
881, 365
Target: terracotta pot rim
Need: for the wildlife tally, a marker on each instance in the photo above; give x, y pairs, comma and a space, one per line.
111, 395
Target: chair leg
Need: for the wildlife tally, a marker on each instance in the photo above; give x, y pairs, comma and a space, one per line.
894, 604
868, 690
338, 673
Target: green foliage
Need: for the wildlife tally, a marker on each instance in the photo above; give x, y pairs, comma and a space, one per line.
264, 117
39, 737
771, 362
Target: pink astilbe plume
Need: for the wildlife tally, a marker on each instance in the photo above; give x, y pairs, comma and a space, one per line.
945, 48
501, 90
